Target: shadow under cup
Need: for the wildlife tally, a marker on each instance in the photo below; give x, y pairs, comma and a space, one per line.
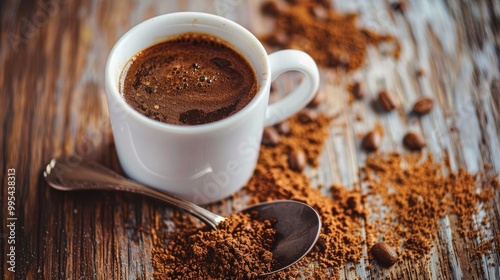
201, 163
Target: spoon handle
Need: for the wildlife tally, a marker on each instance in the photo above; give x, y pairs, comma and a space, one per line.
71, 174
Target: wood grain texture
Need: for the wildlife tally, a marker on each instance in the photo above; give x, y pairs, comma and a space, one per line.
52, 103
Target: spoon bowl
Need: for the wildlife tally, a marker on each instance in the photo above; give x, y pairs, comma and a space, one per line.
297, 230
297, 225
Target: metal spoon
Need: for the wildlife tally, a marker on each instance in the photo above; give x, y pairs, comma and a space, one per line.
297, 228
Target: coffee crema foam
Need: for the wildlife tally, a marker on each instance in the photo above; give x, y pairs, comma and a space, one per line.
191, 79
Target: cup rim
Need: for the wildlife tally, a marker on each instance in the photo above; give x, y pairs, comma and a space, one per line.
112, 87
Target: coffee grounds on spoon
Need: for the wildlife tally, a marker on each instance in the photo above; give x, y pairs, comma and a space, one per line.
238, 249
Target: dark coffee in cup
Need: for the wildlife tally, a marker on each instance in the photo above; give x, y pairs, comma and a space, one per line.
190, 79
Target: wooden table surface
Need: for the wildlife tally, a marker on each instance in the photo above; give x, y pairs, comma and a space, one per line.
52, 103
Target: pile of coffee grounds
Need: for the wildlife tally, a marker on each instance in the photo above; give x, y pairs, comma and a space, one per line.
333, 40
416, 191
238, 249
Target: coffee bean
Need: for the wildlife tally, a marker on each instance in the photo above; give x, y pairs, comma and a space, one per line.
387, 100
270, 137
320, 244
270, 8
284, 128
415, 199
399, 5
385, 255
413, 141
353, 202
371, 141
423, 106
318, 99
307, 116
420, 72
277, 39
318, 12
297, 160
358, 90
343, 60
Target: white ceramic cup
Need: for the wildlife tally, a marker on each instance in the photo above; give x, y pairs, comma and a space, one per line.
208, 162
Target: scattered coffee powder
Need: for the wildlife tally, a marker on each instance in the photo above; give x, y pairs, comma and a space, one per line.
332, 39
415, 189
416, 192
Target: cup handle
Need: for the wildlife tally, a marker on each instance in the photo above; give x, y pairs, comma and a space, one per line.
292, 60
